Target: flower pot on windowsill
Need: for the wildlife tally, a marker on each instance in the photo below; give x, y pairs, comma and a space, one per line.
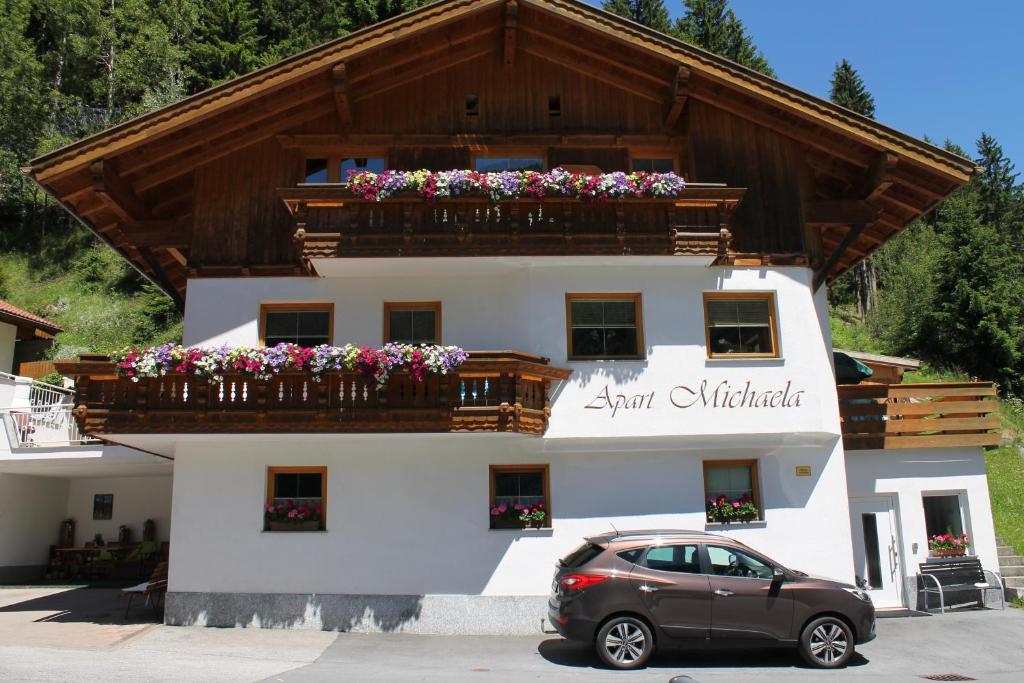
308, 525
948, 552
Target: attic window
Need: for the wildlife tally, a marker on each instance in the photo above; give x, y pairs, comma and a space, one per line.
316, 170
554, 105
472, 105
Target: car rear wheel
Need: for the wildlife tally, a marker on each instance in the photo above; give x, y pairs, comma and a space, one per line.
827, 643
625, 643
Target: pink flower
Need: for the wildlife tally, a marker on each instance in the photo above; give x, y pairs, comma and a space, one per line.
495, 512
292, 513
518, 506
735, 504
503, 508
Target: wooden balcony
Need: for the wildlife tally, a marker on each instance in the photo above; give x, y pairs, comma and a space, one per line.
493, 391
877, 416
331, 223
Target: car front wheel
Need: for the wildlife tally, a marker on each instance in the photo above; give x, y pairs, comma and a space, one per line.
827, 643
625, 643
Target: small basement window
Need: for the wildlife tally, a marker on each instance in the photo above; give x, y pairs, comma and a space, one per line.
604, 326
518, 492
654, 165
741, 325
296, 499
496, 164
731, 491
413, 322
303, 324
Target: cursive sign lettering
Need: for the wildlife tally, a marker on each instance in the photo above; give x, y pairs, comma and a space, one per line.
725, 395
621, 401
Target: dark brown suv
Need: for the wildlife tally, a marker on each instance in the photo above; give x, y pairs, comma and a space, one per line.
627, 592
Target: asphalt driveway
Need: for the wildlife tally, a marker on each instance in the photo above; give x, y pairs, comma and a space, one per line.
60, 635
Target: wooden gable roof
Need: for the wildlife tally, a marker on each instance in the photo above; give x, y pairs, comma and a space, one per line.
132, 184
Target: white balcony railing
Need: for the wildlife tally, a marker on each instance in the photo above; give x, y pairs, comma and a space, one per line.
42, 426
43, 394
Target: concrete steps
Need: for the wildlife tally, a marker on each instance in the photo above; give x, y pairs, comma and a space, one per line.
1011, 566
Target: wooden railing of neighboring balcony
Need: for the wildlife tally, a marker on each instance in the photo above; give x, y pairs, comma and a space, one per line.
493, 391
878, 416
331, 223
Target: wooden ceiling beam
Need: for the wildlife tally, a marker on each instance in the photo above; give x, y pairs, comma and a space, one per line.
849, 238
117, 193
145, 157
165, 234
581, 64
218, 147
839, 211
341, 96
511, 20
880, 175
790, 126
680, 91
344, 142
599, 60
466, 52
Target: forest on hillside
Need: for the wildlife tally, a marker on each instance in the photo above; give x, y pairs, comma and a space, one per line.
949, 289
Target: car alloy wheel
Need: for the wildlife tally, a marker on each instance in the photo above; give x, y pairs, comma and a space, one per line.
827, 643
625, 643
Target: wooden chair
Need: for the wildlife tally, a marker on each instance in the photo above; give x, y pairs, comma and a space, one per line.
153, 589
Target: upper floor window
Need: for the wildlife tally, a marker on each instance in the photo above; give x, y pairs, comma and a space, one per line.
336, 169
654, 165
302, 324
412, 322
741, 324
495, 164
604, 326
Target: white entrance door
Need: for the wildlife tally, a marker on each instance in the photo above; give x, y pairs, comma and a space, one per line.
876, 549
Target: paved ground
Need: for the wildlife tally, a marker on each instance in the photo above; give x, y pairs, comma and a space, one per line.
68, 635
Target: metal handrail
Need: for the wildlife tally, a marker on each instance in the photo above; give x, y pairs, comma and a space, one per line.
43, 426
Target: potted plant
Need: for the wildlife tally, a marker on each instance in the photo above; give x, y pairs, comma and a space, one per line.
723, 510
948, 545
287, 515
518, 516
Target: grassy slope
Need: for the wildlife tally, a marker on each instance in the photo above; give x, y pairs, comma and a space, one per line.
101, 304
1005, 464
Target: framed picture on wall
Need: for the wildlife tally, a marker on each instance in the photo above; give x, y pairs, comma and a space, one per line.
103, 506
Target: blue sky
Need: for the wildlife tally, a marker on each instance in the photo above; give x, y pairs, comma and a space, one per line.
925, 62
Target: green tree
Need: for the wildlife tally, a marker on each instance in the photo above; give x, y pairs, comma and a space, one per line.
291, 26
362, 13
848, 90
226, 43
650, 13
712, 25
998, 194
860, 284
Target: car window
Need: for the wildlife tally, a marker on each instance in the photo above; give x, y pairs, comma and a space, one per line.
631, 555
579, 557
733, 562
673, 558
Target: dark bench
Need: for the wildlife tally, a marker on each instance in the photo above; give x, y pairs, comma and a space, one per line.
958, 574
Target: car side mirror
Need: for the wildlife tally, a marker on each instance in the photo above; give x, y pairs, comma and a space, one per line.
778, 575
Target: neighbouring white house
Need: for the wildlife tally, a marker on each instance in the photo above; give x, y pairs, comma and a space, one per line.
50, 472
643, 352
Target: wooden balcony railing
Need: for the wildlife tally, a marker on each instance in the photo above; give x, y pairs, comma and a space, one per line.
877, 416
331, 223
493, 391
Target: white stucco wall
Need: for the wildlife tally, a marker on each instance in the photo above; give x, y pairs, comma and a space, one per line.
908, 473
31, 510
8, 335
136, 499
523, 308
409, 514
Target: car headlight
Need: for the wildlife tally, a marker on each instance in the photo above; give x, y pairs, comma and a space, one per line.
861, 595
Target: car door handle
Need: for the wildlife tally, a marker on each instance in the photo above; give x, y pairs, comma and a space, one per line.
648, 589
723, 592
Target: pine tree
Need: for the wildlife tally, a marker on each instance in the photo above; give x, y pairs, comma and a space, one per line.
848, 90
712, 25
362, 13
650, 13
997, 192
226, 43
